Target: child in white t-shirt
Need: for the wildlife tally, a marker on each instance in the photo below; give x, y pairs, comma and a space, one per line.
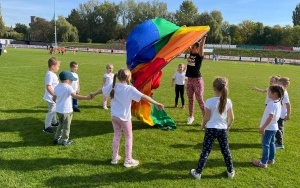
122, 94
269, 126
179, 80
63, 94
216, 122
75, 85
273, 81
107, 80
51, 81
285, 112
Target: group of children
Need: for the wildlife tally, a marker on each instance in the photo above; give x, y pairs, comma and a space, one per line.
218, 115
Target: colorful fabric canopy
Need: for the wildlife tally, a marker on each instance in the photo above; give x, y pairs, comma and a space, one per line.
150, 47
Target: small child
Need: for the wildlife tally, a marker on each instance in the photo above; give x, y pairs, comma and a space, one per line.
122, 95
179, 80
285, 112
216, 122
63, 94
269, 126
75, 85
51, 81
107, 80
273, 80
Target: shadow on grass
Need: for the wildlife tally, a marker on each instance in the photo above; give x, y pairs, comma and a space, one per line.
24, 111
29, 130
232, 146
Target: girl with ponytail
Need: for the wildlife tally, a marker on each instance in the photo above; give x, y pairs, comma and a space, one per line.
122, 94
216, 122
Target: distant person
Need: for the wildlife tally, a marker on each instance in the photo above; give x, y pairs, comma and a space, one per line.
273, 81
195, 83
179, 81
285, 112
63, 94
122, 94
108, 78
217, 121
51, 81
75, 85
0, 48
240, 59
269, 126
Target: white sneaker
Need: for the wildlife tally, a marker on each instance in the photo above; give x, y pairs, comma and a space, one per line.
105, 108
190, 120
115, 161
195, 174
231, 175
131, 163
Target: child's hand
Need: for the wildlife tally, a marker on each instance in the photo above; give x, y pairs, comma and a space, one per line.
254, 88
160, 106
203, 127
92, 95
261, 130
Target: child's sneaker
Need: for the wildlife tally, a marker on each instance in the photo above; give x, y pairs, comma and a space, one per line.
183, 107
105, 108
66, 143
115, 161
279, 146
55, 124
131, 163
195, 174
231, 174
176, 106
190, 120
56, 140
271, 161
259, 164
48, 130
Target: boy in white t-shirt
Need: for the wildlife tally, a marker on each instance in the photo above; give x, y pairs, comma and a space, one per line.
63, 94
51, 82
75, 84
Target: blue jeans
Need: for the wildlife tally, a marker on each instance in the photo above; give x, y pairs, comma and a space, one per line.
268, 146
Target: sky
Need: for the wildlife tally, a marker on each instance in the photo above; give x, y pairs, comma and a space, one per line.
268, 12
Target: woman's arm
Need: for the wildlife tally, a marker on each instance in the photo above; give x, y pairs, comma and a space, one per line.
201, 46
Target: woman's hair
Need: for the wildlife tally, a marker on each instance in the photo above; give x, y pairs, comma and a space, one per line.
52, 61
122, 75
279, 90
220, 84
285, 81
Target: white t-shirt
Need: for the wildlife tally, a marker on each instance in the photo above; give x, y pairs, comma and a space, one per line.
121, 103
217, 120
63, 92
179, 78
75, 83
274, 108
285, 100
109, 78
52, 80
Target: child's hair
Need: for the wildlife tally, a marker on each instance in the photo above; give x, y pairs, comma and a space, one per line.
183, 66
73, 63
220, 84
122, 75
275, 77
109, 65
279, 90
285, 81
52, 61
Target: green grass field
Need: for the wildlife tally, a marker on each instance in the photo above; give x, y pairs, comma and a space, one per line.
28, 158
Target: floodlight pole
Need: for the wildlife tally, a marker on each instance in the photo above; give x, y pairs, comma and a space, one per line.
55, 34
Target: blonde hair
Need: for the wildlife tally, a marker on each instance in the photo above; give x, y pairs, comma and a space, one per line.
52, 61
220, 84
275, 77
183, 66
285, 81
109, 65
122, 75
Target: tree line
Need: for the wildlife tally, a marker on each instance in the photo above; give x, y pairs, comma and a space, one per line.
101, 22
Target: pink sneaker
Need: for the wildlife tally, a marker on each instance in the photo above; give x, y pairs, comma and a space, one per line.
259, 164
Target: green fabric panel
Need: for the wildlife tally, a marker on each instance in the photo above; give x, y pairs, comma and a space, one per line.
161, 119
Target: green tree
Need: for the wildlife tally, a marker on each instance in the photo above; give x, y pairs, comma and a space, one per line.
65, 31
40, 30
296, 35
77, 20
296, 15
187, 13
2, 24
22, 29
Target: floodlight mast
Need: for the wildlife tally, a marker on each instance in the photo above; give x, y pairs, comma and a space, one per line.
55, 34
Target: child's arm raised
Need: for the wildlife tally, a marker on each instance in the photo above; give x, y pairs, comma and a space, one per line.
149, 99
259, 90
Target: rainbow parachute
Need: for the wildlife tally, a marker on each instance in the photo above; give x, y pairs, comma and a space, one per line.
150, 47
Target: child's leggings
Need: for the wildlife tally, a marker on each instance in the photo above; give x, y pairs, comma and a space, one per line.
209, 138
119, 127
195, 87
179, 90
